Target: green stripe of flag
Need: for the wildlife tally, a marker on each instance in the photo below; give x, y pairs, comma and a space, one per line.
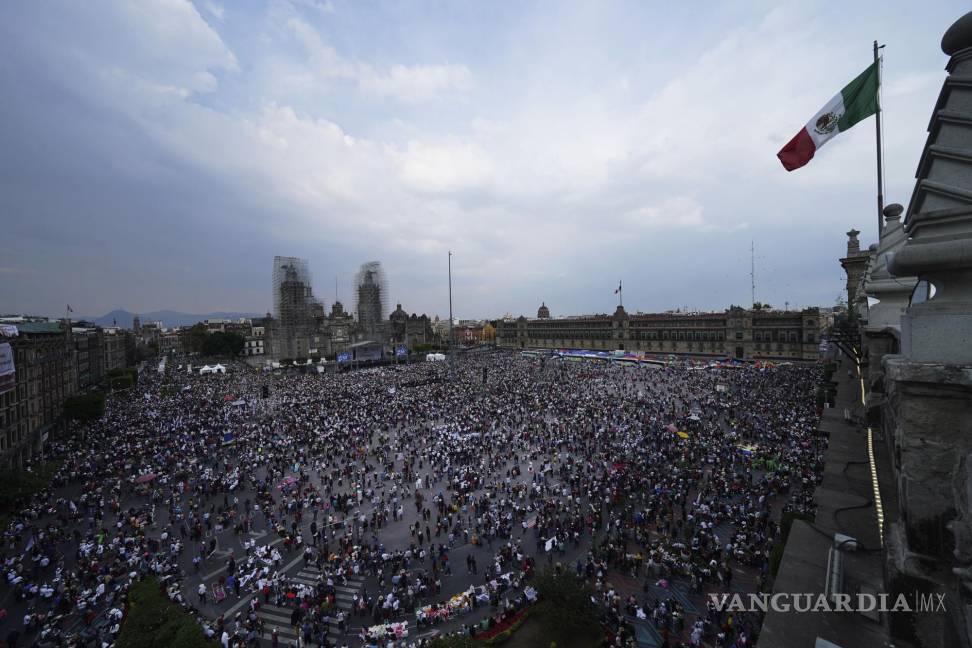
860, 97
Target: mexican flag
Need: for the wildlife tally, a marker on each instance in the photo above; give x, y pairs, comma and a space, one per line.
858, 99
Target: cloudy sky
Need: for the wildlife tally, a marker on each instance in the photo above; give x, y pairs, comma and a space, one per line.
158, 153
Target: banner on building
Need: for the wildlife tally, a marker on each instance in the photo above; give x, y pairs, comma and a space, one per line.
8, 376
401, 351
344, 357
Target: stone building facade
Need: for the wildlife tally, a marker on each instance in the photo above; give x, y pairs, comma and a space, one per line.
409, 329
46, 375
736, 332
116, 345
923, 393
89, 355
854, 264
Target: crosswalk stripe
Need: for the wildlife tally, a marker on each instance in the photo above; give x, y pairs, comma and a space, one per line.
274, 617
278, 616
282, 630
303, 581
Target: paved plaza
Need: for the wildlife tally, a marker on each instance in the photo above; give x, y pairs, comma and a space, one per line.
399, 499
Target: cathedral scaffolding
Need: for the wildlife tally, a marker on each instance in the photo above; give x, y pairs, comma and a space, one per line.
295, 310
293, 298
372, 295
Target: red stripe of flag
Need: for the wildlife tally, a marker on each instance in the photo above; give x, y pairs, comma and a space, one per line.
798, 151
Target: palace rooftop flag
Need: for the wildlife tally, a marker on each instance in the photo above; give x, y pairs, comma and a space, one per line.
859, 99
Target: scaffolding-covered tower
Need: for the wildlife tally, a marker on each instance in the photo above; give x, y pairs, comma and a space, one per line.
294, 309
292, 294
372, 291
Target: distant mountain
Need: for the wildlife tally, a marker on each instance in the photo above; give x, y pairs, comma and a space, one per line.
168, 318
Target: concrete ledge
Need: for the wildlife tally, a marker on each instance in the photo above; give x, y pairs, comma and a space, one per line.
803, 571
901, 369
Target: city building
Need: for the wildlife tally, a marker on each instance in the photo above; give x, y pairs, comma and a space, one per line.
440, 329
469, 332
116, 350
43, 355
409, 330
336, 330
216, 325
89, 349
170, 342
253, 342
253, 346
736, 332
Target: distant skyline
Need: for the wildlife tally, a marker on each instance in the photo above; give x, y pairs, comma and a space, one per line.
158, 154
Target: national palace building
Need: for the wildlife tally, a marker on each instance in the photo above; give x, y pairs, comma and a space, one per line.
736, 332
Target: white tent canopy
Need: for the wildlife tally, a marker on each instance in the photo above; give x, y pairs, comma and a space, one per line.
435, 357
211, 370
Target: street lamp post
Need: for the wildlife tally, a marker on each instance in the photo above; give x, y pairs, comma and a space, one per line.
452, 338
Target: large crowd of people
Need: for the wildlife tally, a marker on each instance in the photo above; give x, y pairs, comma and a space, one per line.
443, 495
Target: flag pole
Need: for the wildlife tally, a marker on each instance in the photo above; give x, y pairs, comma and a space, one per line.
880, 161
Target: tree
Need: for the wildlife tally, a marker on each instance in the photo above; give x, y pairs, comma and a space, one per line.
195, 338
21, 483
153, 621
566, 610
122, 378
85, 407
222, 344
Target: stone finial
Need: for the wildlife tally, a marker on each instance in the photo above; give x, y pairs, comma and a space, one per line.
853, 245
893, 212
958, 36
